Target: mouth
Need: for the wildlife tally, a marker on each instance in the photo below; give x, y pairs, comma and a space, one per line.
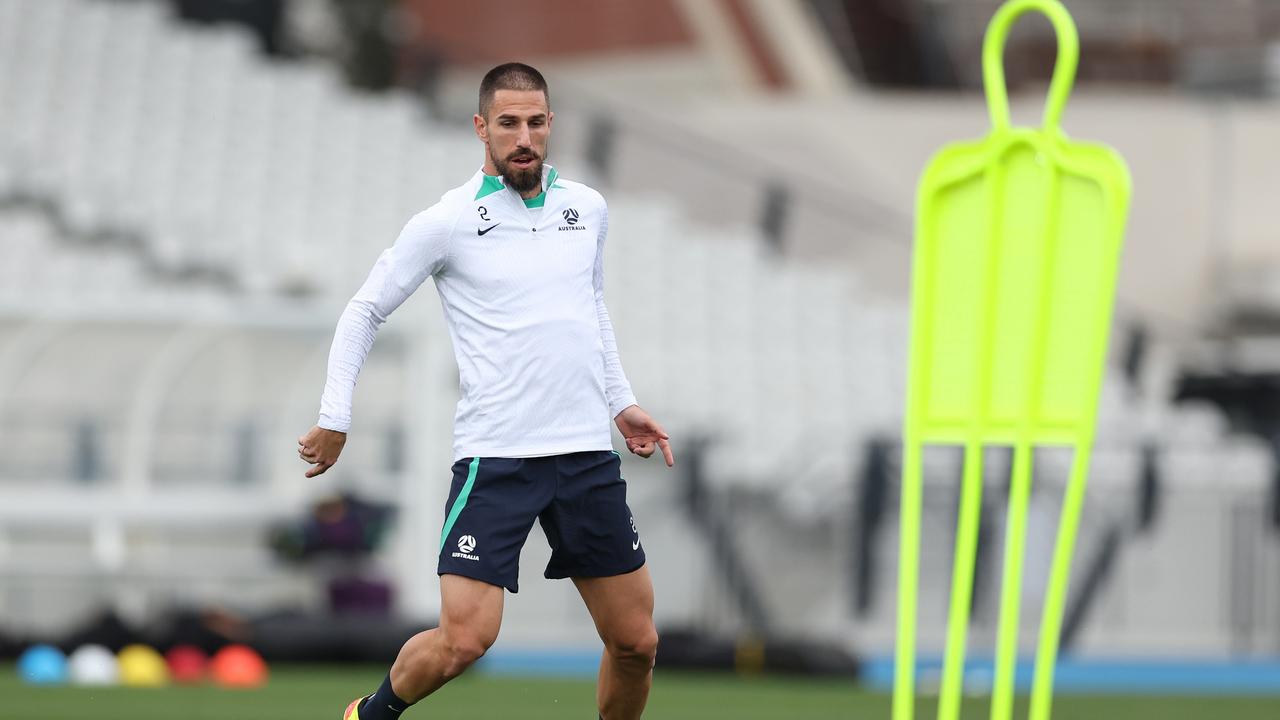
523, 162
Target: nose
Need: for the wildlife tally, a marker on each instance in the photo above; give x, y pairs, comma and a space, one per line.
522, 140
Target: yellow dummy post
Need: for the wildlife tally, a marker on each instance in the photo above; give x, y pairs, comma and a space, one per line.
1018, 239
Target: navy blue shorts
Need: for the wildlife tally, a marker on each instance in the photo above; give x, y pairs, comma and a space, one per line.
580, 499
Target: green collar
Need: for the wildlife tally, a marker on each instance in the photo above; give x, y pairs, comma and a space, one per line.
492, 184
488, 186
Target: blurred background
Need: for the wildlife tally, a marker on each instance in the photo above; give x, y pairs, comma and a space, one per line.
191, 190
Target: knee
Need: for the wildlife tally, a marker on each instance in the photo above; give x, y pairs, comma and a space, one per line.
639, 648
461, 651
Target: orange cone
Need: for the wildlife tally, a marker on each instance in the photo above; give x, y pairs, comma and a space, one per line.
238, 666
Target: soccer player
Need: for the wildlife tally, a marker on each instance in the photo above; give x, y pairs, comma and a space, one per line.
517, 256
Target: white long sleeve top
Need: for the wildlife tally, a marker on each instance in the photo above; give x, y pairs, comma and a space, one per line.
522, 287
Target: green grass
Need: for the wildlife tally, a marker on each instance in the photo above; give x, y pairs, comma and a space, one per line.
301, 693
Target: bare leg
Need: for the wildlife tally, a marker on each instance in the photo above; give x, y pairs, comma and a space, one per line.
470, 615
622, 608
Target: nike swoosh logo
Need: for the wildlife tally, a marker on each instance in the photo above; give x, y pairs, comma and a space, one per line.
635, 545
482, 232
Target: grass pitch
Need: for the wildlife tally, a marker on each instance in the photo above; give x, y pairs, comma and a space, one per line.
321, 693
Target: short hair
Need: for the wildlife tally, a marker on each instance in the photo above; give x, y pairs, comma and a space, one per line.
510, 76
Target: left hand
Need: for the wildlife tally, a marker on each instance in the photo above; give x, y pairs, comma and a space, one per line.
643, 434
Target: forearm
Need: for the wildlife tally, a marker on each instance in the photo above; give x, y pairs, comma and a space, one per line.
617, 388
352, 340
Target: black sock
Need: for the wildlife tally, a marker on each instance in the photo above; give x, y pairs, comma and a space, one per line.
383, 705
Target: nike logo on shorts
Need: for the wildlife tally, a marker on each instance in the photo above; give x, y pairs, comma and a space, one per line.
635, 545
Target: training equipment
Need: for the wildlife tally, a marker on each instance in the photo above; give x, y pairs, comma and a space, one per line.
142, 666
42, 665
238, 666
188, 664
93, 665
1018, 238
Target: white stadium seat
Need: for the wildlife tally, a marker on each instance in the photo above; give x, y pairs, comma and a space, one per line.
176, 184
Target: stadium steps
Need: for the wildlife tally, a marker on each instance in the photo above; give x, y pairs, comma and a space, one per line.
288, 184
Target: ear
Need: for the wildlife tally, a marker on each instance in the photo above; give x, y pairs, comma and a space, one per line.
482, 128
550, 116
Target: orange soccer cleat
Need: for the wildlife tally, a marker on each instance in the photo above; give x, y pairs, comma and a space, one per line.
353, 710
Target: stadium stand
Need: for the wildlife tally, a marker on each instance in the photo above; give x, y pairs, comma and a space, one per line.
182, 221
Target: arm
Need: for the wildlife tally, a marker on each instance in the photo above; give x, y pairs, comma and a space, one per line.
617, 390
642, 433
419, 251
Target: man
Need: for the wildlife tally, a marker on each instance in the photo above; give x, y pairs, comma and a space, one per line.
517, 257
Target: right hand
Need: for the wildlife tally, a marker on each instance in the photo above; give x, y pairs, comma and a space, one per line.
321, 448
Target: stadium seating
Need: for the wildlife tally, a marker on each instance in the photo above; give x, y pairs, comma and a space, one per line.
182, 221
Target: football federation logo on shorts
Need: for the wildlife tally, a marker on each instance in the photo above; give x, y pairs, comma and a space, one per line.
466, 544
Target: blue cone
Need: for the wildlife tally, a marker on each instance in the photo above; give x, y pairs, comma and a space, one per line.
43, 665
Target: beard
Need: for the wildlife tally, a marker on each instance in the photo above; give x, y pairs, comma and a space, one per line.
522, 180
